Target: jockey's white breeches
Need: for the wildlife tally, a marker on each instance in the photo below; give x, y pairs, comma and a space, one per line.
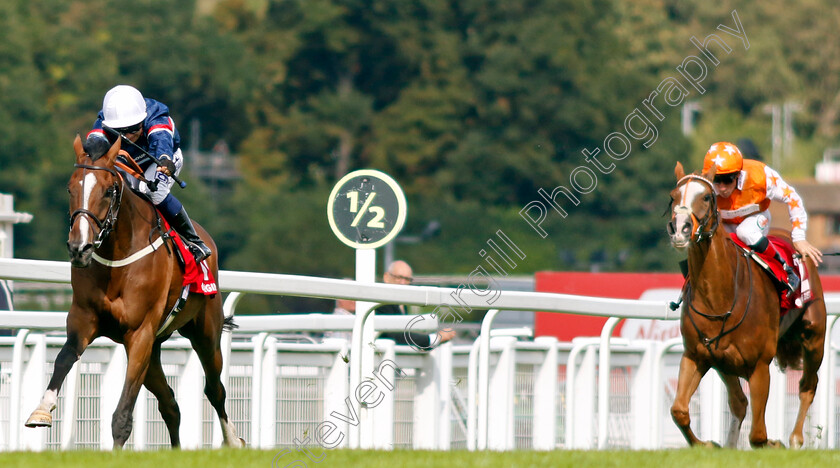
164, 183
751, 229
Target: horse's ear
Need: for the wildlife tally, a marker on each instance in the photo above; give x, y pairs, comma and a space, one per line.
111, 155
679, 171
80, 151
710, 175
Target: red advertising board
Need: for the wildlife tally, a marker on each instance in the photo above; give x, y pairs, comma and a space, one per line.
615, 285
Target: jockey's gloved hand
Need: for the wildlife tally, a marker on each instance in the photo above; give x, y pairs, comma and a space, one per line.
167, 163
96, 145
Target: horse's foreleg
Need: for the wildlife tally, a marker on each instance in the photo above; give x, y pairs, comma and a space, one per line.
167, 405
139, 348
759, 390
687, 383
737, 405
79, 335
812, 358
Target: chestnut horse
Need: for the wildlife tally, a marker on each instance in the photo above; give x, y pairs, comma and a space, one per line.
730, 318
128, 301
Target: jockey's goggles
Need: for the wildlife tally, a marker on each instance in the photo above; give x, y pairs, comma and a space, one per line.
129, 130
725, 179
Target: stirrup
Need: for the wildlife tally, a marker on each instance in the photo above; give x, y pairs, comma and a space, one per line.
199, 251
793, 281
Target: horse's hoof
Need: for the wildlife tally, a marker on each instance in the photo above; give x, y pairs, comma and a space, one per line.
242, 443
706, 444
775, 444
796, 443
39, 418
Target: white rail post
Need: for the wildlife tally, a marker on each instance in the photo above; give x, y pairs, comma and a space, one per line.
110, 390
34, 377
484, 377
191, 402
336, 389
267, 393
426, 408
444, 382
229, 310
15, 414
363, 349
258, 343
775, 411
545, 397
500, 401
70, 411
472, 396
383, 413
645, 407
583, 432
828, 379
657, 393
712, 405
140, 428
433, 402
604, 380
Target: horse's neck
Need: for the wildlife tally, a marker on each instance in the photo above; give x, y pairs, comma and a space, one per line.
712, 268
134, 221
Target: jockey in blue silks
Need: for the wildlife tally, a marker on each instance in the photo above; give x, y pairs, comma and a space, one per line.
147, 123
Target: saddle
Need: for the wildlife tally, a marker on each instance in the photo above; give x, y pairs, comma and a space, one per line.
777, 273
197, 276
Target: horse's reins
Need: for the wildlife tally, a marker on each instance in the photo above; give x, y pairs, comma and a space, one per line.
724, 316
703, 234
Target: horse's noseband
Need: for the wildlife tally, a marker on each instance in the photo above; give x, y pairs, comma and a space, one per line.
107, 225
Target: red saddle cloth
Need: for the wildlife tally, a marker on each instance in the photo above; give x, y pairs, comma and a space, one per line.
775, 269
197, 276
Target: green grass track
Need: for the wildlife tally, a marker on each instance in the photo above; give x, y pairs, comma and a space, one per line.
682, 458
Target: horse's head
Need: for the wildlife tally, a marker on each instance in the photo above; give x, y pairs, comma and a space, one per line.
694, 207
95, 193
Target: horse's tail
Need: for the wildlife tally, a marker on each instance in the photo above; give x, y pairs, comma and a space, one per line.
229, 324
789, 351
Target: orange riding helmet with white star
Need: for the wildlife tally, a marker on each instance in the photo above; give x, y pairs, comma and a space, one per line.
726, 156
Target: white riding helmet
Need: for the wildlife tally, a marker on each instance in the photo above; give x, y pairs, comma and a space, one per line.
123, 106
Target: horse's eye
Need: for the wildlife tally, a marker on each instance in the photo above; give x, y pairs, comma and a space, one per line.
110, 192
707, 198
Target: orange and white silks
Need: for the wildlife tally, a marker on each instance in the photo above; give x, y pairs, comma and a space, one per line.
758, 184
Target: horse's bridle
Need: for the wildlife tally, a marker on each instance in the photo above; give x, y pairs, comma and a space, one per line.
106, 225
711, 214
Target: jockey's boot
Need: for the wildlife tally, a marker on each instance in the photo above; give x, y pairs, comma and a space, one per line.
792, 277
181, 222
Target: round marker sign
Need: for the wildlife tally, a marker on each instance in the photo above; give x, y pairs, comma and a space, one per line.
366, 209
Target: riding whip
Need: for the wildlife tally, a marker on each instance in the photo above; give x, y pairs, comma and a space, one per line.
157, 161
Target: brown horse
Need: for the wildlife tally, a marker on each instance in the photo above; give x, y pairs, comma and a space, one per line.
730, 318
128, 301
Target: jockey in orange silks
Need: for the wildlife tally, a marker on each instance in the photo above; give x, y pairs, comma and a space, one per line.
744, 190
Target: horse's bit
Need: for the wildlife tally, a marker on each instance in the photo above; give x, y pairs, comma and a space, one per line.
106, 225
